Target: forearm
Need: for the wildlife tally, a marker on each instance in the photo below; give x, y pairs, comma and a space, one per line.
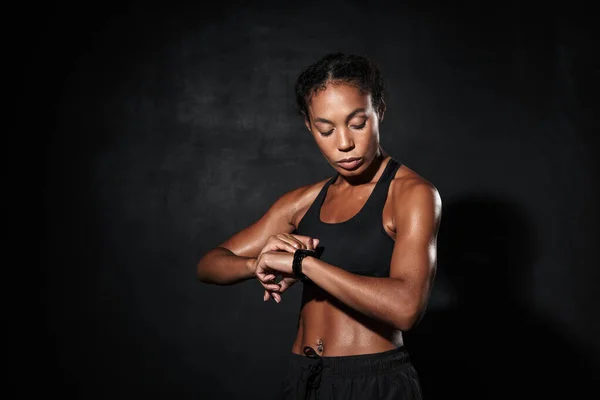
390, 300
222, 267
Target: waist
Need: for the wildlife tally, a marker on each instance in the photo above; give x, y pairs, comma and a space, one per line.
329, 345
394, 359
342, 331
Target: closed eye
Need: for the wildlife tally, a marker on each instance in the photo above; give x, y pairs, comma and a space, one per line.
361, 126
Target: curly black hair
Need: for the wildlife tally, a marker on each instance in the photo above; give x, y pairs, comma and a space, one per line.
339, 67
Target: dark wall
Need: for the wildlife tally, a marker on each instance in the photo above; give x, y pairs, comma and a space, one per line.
170, 128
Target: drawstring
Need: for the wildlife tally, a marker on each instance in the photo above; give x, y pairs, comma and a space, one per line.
314, 376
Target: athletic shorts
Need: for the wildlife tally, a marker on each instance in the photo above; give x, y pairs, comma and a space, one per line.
387, 375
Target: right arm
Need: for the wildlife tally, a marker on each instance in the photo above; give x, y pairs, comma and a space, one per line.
233, 261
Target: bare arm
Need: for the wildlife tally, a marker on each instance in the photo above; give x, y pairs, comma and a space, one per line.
222, 266
232, 261
400, 299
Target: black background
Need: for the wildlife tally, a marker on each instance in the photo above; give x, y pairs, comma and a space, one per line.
166, 128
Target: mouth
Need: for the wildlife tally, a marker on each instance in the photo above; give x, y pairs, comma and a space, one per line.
350, 163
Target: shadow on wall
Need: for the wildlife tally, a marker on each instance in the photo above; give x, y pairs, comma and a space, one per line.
487, 345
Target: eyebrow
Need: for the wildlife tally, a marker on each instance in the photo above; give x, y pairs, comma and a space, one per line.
348, 118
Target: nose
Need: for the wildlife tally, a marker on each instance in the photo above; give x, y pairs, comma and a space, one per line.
345, 142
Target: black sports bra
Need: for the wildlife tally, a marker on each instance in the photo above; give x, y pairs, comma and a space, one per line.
359, 245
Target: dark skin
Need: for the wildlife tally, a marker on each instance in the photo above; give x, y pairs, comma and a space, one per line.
357, 314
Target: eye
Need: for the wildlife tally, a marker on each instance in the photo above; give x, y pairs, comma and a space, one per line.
326, 133
361, 126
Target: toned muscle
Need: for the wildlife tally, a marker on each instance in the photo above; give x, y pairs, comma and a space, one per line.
325, 323
279, 218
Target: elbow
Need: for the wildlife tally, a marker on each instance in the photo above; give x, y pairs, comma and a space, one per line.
201, 272
206, 271
407, 318
406, 323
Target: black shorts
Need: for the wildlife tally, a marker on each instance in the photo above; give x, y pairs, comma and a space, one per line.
385, 375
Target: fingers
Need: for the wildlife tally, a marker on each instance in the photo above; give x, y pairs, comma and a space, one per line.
271, 286
268, 282
307, 241
284, 242
265, 277
290, 243
268, 295
285, 283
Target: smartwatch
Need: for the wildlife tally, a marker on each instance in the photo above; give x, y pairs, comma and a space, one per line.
299, 255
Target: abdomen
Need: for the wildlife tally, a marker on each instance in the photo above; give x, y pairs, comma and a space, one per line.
341, 329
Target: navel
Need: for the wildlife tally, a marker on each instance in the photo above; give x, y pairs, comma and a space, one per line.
319, 345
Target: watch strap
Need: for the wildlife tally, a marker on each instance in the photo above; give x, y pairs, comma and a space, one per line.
299, 255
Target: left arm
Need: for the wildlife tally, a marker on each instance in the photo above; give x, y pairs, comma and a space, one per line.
400, 299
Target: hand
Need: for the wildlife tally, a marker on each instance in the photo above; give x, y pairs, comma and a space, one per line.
282, 242
273, 263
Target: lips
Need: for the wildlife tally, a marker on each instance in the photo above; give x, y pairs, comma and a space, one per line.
351, 164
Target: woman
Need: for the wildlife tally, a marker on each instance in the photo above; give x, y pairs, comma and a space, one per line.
372, 229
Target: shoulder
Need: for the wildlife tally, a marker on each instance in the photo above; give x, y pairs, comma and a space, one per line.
412, 195
295, 202
303, 194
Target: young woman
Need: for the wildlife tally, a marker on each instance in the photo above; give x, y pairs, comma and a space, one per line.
363, 244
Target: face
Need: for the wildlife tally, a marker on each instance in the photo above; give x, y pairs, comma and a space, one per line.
344, 125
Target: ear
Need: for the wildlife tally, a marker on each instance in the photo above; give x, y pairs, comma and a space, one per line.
381, 110
307, 123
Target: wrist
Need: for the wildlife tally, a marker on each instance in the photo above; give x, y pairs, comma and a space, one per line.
251, 265
299, 261
308, 265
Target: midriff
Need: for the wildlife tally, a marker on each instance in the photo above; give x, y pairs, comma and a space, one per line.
339, 329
